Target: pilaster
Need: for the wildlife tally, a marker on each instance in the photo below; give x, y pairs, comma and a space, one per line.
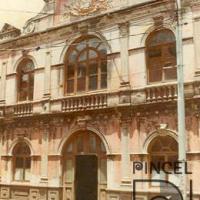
3, 82
124, 46
47, 78
125, 154
44, 156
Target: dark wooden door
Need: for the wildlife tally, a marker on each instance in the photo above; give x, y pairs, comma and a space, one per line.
86, 177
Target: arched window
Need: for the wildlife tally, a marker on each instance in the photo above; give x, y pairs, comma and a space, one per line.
163, 149
25, 73
21, 162
161, 56
86, 66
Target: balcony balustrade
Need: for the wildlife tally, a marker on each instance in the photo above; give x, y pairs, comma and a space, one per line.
23, 109
89, 102
161, 93
149, 94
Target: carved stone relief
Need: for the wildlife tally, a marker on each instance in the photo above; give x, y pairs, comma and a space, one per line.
85, 7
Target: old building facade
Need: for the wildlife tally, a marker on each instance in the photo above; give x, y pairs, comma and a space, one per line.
89, 87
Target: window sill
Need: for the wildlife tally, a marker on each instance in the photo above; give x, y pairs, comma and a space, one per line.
20, 182
162, 83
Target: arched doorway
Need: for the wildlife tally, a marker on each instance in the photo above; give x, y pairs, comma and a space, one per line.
84, 167
163, 149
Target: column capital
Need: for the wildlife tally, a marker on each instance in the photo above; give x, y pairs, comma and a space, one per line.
124, 29
126, 117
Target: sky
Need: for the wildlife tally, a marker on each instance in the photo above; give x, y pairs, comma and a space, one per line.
17, 12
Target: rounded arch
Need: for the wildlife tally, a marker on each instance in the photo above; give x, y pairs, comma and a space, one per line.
16, 142
63, 142
153, 29
21, 59
155, 134
77, 37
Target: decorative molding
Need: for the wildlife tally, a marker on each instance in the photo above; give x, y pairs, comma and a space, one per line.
124, 29
85, 7
8, 31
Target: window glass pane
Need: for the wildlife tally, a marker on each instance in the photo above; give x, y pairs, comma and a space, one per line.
170, 73
102, 49
172, 50
31, 80
21, 149
157, 172
24, 78
29, 66
103, 171
103, 149
69, 171
26, 66
83, 56
104, 67
27, 163
94, 42
172, 159
154, 53
19, 168
81, 71
93, 83
19, 162
156, 176
73, 56
70, 71
31, 93
92, 54
104, 81
70, 86
79, 143
82, 45
18, 174
27, 174
93, 68
161, 37
81, 75
69, 148
81, 84
23, 95
155, 74
93, 144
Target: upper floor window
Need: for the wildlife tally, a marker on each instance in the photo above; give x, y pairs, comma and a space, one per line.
25, 74
86, 66
161, 56
22, 162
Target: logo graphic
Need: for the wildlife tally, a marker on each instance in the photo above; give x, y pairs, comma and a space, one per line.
167, 189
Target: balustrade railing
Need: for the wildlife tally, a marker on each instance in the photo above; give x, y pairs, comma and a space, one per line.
90, 102
24, 109
161, 93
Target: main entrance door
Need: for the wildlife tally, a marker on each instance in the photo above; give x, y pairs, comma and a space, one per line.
84, 168
86, 177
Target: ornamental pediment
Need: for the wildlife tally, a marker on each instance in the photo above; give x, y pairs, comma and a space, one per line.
8, 31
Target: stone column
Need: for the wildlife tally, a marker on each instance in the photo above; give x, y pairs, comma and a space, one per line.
124, 46
44, 157
47, 78
125, 155
3, 83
